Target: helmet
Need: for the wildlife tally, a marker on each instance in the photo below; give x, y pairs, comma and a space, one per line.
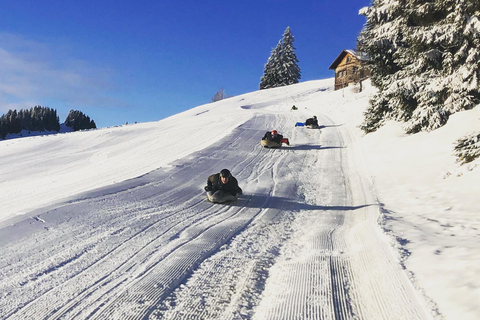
274, 132
225, 173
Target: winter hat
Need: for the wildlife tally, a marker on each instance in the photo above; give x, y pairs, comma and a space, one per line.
225, 173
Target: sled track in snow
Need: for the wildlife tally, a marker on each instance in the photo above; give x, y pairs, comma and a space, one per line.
302, 243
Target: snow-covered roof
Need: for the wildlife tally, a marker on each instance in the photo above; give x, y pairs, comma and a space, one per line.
357, 54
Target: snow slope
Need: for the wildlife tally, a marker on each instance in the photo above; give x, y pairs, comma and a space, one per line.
113, 224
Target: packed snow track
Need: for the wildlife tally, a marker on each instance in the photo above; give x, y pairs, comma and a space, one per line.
301, 243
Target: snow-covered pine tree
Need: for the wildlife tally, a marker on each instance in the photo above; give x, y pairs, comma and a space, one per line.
270, 75
281, 68
381, 39
425, 59
289, 69
467, 148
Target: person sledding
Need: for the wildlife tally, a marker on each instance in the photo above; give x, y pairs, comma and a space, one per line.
311, 123
272, 139
222, 187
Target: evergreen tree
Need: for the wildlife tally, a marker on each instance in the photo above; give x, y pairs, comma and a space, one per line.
281, 68
289, 69
220, 95
79, 121
3, 128
425, 61
467, 148
271, 78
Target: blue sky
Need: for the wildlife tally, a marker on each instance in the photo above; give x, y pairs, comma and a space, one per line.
126, 61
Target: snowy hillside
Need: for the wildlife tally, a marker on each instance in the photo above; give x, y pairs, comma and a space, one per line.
113, 224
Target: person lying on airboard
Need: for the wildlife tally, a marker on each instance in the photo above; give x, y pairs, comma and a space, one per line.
312, 122
222, 187
276, 137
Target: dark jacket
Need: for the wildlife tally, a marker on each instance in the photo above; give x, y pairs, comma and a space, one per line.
214, 183
268, 136
311, 121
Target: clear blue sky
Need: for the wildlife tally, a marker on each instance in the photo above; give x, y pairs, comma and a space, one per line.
125, 61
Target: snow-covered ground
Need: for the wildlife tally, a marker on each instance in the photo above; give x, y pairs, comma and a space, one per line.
113, 223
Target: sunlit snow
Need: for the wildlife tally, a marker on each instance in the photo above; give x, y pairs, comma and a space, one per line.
113, 223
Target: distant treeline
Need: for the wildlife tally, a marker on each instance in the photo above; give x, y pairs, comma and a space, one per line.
41, 118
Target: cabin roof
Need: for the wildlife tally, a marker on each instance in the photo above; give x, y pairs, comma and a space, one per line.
359, 55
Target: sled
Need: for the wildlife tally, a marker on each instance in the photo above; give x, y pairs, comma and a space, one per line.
221, 197
221, 202
270, 144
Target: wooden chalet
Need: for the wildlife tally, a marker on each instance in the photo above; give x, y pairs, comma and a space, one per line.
350, 67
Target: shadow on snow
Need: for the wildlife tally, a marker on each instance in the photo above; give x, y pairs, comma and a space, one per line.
282, 203
310, 147
304, 147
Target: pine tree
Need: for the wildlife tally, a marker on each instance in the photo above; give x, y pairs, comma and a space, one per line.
467, 148
220, 95
270, 77
425, 61
3, 128
281, 68
289, 70
77, 120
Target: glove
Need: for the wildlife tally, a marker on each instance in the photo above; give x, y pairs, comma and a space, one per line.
207, 188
